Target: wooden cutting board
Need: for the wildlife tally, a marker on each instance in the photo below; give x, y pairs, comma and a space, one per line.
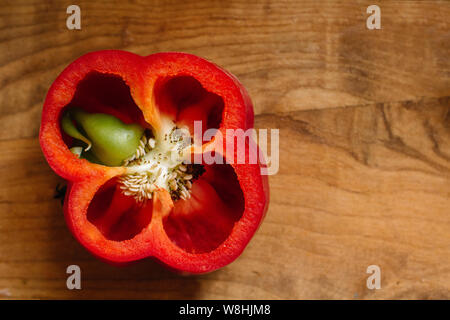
364, 121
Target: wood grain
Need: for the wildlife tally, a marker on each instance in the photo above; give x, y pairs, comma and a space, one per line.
364, 145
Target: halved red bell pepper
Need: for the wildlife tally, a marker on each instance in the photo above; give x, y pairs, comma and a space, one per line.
201, 232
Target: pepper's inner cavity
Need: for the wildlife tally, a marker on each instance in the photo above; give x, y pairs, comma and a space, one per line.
185, 100
208, 218
160, 162
102, 123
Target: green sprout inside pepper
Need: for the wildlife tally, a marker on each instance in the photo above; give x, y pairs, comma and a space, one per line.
106, 139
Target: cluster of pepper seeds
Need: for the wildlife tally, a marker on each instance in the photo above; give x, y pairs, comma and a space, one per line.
181, 185
145, 145
141, 185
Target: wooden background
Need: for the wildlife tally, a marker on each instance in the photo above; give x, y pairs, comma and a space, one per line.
364, 144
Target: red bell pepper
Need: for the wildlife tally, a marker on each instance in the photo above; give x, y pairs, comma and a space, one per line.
197, 227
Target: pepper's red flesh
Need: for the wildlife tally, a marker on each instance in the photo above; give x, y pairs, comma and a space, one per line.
228, 202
